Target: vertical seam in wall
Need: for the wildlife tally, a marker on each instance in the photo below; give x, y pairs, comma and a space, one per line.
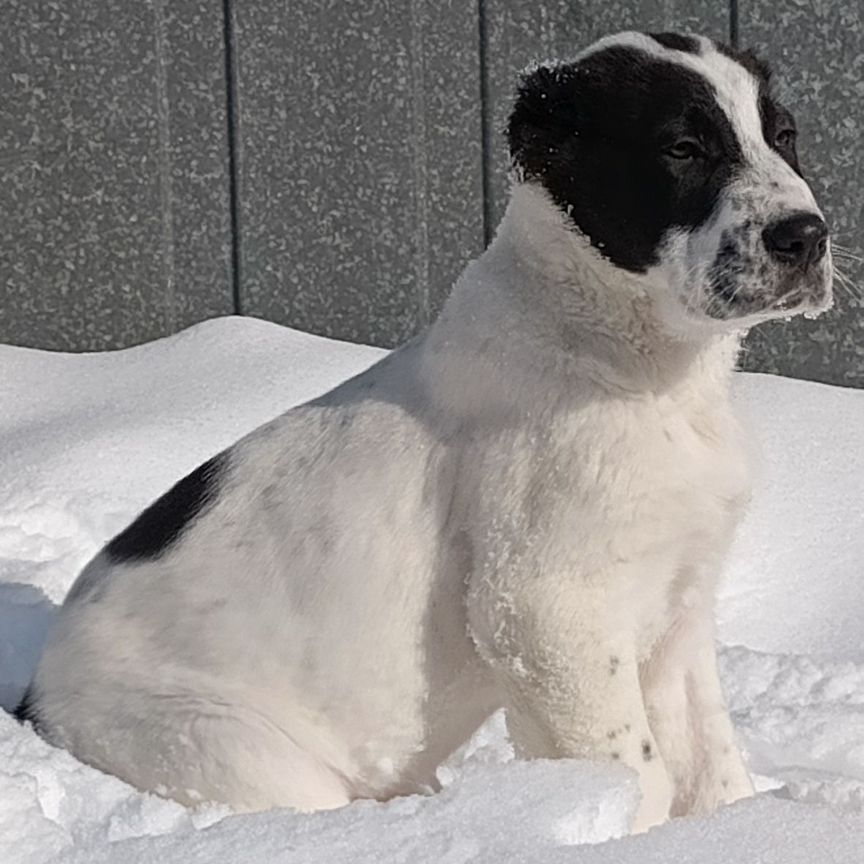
166, 190
733, 23
420, 160
485, 124
231, 106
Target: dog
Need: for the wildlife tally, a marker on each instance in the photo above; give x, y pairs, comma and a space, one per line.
526, 506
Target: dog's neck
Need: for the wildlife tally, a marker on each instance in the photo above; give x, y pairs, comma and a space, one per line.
542, 292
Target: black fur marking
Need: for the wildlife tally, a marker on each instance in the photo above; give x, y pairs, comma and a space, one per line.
726, 270
27, 710
614, 663
616, 755
778, 124
676, 42
599, 135
163, 522
730, 272
779, 129
647, 753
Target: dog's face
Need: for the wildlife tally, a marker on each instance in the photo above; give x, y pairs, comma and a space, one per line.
672, 157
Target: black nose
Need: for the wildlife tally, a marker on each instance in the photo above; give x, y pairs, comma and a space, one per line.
799, 240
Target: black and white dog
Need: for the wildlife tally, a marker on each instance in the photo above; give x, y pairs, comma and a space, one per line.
526, 506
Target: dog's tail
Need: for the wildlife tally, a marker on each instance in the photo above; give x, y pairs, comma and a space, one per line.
27, 712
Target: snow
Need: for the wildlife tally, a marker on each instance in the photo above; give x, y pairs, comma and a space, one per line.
87, 440
801, 551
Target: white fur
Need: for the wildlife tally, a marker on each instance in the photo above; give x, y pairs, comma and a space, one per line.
527, 506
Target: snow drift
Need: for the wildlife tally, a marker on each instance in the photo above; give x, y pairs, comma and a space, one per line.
88, 440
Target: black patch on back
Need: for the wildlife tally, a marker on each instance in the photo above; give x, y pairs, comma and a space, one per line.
676, 42
597, 135
27, 710
163, 522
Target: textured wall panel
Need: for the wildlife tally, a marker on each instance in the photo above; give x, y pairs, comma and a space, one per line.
360, 169
817, 50
114, 221
523, 32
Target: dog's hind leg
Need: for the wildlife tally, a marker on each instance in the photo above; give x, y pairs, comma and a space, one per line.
258, 767
197, 751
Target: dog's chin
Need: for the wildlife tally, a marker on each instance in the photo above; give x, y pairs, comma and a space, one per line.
809, 297
710, 316
807, 300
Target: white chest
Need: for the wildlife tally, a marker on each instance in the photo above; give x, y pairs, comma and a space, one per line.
619, 486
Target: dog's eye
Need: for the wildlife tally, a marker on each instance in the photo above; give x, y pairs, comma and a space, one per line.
785, 139
684, 148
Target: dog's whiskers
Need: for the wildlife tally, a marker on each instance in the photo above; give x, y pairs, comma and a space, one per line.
848, 286
847, 256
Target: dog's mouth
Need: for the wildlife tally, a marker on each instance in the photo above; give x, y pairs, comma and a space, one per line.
740, 290
812, 295
789, 302
810, 300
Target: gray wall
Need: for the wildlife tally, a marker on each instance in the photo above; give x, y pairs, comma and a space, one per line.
332, 165
114, 182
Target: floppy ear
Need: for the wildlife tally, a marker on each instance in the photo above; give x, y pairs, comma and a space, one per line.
544, 121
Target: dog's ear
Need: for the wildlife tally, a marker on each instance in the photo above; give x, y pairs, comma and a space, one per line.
544, 118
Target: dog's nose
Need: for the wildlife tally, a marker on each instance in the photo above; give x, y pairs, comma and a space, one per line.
799, 240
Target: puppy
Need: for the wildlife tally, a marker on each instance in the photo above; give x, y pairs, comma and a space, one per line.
526, 506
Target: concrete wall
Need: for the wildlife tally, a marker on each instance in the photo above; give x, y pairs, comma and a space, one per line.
359, 161
114, 181
817, 49
332, 165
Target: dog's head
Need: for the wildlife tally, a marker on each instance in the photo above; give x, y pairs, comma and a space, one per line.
671, 156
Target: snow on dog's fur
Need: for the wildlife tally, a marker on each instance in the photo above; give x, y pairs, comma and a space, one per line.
525, 506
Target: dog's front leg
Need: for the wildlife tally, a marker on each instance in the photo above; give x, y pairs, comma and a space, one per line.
688, 716
571, 683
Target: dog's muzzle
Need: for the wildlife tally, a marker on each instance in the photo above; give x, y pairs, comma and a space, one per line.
798, 244
799, 241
